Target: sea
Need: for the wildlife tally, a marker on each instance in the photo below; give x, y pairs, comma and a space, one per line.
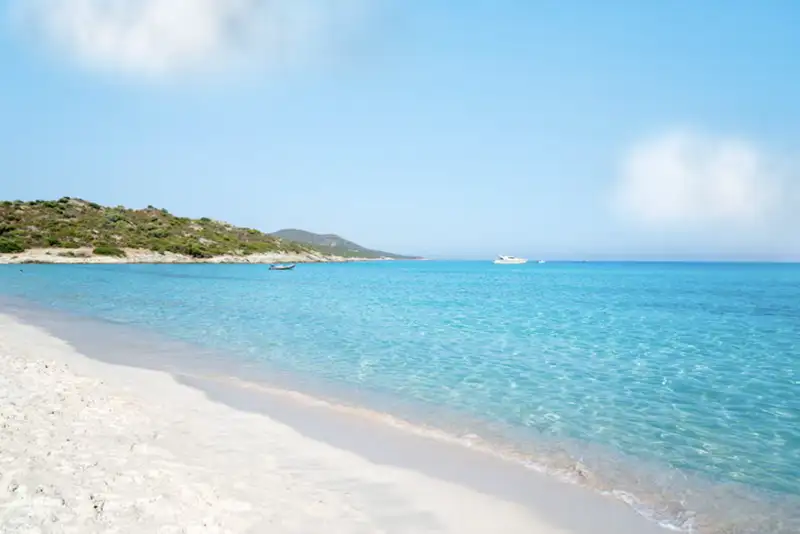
674, 387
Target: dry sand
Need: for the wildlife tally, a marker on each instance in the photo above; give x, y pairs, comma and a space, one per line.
85, 255
87, 446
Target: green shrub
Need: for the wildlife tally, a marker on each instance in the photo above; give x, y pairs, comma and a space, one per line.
10, 246
196, 250
109, 250
158, 233
256, 248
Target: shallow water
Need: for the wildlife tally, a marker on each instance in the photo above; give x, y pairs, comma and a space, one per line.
675, 386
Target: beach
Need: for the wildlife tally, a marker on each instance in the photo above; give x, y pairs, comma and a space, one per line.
399, 267
87, 446
390, 394
85, 255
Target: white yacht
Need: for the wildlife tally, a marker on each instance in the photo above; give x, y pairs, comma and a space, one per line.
509, 260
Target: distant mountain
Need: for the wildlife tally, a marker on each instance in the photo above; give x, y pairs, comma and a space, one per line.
334, 244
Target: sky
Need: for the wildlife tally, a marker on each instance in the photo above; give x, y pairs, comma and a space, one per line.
448, 128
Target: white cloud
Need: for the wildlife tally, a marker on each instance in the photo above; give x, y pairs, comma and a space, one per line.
684, 180
166, 38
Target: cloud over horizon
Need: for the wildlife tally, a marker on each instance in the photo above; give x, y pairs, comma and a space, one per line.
684, 180
163, 39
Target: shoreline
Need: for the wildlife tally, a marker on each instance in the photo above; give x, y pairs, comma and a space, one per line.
97, 447
85, 256
535, 500
671, 495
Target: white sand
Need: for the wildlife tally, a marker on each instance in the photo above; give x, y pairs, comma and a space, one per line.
85, 255
91, 447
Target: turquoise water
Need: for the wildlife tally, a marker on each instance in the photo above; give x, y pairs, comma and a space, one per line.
674, 385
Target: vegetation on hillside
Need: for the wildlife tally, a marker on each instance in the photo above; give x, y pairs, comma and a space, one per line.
75, 223
334, 244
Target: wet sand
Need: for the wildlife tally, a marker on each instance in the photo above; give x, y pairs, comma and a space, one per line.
163, 452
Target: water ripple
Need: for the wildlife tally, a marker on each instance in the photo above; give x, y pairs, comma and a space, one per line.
689, 375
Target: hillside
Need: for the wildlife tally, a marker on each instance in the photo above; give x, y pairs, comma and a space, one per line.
74, 223
333, 244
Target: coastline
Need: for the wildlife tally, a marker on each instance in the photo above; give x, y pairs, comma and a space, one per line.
134, 256
132, 432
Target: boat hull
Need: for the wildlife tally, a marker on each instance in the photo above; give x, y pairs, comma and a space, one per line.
510, 262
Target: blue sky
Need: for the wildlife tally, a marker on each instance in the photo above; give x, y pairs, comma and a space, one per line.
446, 128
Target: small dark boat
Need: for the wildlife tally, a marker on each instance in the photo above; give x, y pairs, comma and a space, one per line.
282, 267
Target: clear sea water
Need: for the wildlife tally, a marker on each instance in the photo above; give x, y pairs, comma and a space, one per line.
676, 387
